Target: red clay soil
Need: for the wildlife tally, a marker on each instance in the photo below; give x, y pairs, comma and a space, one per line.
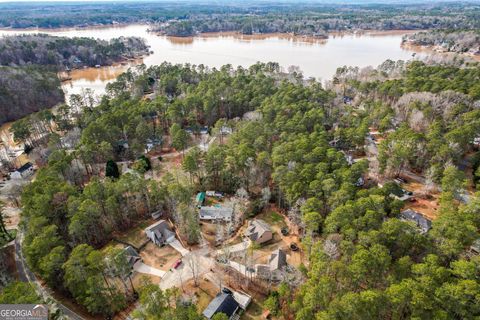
428, 208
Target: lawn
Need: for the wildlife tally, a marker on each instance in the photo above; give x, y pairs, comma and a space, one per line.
254, 311
136, 235
273, 218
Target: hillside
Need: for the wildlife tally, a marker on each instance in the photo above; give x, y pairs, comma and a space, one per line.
24, 90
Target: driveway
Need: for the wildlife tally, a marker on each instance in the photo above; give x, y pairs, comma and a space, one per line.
239, 247
179, 247
143, 268
177, 277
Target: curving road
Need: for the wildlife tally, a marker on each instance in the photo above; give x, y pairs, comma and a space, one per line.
26, 275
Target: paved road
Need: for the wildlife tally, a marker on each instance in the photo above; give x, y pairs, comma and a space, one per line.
26, 275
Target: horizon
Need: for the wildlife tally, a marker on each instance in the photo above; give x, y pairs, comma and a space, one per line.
324, 2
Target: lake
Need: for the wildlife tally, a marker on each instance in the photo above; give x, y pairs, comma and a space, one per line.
316, 58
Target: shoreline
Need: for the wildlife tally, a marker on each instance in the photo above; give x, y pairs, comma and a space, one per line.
236, 34
431, 49
286, 35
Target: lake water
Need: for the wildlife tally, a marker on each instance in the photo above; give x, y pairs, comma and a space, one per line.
316, 58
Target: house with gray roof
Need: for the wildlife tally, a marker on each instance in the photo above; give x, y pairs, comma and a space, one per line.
259, 231
160, 233
275, 267
214, 213
278, 260
222, 303
417, 218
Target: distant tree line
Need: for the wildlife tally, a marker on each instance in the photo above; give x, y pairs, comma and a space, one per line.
246, 16
316, 22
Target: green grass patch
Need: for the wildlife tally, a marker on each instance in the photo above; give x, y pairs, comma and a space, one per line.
135, 236
254, 311
273, 218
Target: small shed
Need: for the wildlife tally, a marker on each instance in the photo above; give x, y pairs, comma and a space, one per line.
200, 199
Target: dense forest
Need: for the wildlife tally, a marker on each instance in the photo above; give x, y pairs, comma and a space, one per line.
27, 89
449, 40
364, 262
65, 52
189, 17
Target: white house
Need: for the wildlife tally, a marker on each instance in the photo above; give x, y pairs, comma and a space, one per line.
23, 172
216, 213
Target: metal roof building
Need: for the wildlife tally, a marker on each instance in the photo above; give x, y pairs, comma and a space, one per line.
222, 303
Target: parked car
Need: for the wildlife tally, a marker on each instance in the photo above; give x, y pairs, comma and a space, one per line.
227, 291
399, 180
177, 264
222, 260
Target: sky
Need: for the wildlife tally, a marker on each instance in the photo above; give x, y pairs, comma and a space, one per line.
216, 1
